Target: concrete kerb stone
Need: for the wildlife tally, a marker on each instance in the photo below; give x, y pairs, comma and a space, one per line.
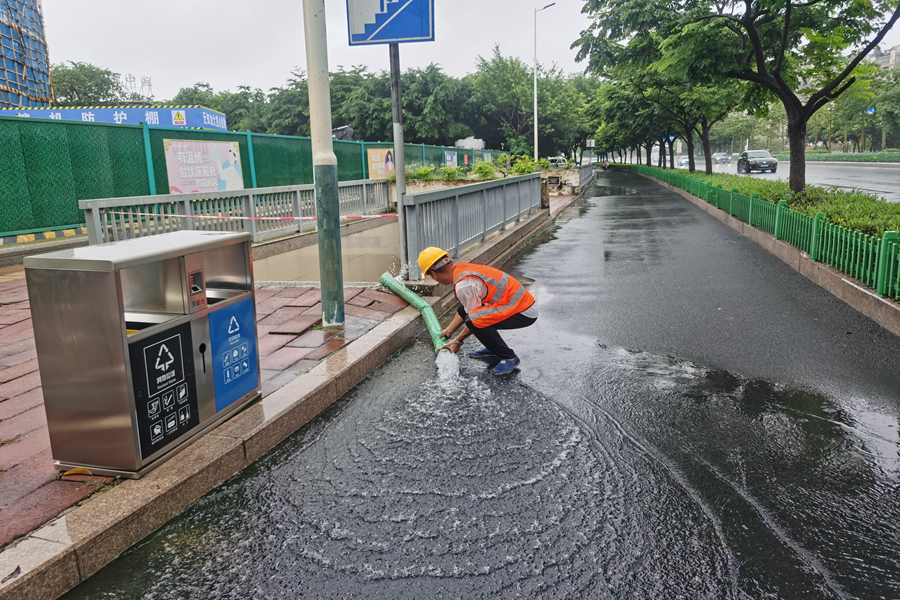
74, 546
883, 311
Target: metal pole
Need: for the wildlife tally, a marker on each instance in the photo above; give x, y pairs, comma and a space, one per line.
399, 155
536, 11
324, 165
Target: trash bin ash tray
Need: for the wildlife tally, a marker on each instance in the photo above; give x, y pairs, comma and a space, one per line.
143, 345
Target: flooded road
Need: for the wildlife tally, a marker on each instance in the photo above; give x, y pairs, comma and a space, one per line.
692, 419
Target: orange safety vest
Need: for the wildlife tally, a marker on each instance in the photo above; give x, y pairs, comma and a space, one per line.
506, 295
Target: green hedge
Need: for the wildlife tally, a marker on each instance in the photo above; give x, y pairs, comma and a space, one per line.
855, 210
881, 157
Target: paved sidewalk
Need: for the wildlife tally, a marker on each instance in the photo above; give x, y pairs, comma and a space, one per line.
32, 491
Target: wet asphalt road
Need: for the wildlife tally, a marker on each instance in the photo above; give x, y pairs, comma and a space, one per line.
880, 181
693, 419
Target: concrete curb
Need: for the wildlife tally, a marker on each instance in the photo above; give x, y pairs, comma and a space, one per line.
881, 310
72, 547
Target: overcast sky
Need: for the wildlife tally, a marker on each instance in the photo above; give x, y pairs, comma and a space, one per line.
228, 43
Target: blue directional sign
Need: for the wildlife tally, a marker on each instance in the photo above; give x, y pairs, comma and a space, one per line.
870, 111
390, 21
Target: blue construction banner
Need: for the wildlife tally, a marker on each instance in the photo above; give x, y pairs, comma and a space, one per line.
189, 117
232, 335
390, 21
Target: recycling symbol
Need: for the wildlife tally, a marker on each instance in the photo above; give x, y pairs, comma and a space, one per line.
165, 359
233, 327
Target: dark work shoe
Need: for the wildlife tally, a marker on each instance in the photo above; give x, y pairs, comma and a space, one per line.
483, 353
507, 366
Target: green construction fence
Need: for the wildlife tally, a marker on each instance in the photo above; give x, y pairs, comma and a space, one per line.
46, 167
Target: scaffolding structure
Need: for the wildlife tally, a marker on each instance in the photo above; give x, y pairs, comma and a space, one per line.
24, 64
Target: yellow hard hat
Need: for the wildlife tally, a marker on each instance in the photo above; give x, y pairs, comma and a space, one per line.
429, 256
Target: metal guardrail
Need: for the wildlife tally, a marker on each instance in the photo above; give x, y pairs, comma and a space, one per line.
458, 218
585, 172
226, 211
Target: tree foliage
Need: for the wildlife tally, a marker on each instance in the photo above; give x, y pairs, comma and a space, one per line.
83, 84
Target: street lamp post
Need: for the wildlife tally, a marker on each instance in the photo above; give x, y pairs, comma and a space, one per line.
536, 11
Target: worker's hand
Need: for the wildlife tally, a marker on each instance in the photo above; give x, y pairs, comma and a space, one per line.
453, 346
447, 333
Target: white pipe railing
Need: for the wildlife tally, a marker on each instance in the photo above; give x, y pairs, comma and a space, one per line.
226, 211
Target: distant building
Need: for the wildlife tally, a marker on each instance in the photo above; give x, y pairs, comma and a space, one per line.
885, 60
24, 64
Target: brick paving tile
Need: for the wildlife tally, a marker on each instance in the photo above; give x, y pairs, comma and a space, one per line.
365, 313
18, 358
40, 506
267, 307
284, 358
270, 343
292, 292
23, 423
282, 315
264, 293
20, 385
13, 284
23, 448
298, 325
351, 293
313, 339
26, 477
384, 297
21, 403
13, 296
11, 317
264, 329
21, 326
310, 298
315, 309
8, 349
303, 365
326, 349
265, 375
385, 308
284, 378
360, 301
10, 373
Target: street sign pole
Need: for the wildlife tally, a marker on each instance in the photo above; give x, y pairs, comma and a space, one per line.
324, 165
399, 156
393, 22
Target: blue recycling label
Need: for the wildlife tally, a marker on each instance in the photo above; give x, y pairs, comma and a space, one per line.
232, 333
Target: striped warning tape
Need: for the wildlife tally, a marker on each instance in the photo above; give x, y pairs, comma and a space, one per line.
141, 214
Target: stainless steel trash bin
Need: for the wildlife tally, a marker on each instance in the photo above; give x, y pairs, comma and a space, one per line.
142, 345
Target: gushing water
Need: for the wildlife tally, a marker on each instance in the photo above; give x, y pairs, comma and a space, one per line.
448, 369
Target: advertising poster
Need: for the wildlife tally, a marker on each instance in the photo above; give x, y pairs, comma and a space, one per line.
381, 162
195, 166
450, 159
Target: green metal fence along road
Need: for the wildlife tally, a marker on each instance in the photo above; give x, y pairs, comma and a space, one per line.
873, 261
46, 167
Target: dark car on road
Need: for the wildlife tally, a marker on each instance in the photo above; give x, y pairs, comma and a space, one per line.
721, 158
756, 160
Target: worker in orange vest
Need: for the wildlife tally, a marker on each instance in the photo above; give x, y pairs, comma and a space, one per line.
490, 300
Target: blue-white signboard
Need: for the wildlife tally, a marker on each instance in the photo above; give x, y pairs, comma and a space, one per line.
163, 116
232, 334
870, 111
390, 21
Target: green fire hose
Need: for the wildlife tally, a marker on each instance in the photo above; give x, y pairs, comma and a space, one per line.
431, 320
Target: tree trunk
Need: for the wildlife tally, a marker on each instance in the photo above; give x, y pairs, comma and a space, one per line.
704, 140
797, 145
671, 152
638, 155
660, 157
649, 153
689, 140
883, 138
